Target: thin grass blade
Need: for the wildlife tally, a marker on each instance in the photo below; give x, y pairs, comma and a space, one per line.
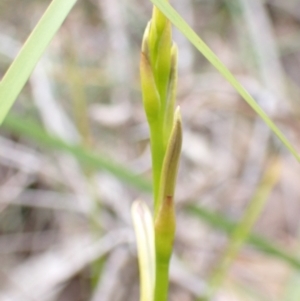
226, 225
190, 34
35, 132
30, 129
21, 68
243, 229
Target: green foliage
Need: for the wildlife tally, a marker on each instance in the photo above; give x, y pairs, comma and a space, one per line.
158, 67
35, 132
21, 68
190, 34
32, 130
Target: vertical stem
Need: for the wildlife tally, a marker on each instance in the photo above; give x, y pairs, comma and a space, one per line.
162, 281
158, 153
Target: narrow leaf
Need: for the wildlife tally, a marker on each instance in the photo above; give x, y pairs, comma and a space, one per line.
20, 70
226, 225
144, 231
243, 229
170, 163
190, 34
34, 131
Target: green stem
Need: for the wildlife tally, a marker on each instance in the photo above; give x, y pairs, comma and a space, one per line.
191, 35
158, 152
161, 281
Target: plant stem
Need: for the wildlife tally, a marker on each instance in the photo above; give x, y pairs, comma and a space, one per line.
191, 35
158, 153
162, 281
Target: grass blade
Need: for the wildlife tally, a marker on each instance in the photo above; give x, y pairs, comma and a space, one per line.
244, 227
218, 221
190, 34
21, 68
34, 131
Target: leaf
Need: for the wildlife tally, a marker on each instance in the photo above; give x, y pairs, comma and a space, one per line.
21, 68
226, 225
144, 231
190, 34
243, 229
34, 131
170, 164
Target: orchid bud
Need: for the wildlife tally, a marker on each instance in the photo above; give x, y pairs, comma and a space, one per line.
151, 98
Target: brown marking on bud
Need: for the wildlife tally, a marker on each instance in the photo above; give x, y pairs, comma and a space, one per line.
144, 57
169, 200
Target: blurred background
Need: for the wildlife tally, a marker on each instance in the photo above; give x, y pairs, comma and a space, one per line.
74, 153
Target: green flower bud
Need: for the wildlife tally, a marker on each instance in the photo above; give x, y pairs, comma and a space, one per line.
172, 91
151, 98
157, 33
171, 160
165, 226
163, 62
165, 223
159, 20
159, 81
145, 42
